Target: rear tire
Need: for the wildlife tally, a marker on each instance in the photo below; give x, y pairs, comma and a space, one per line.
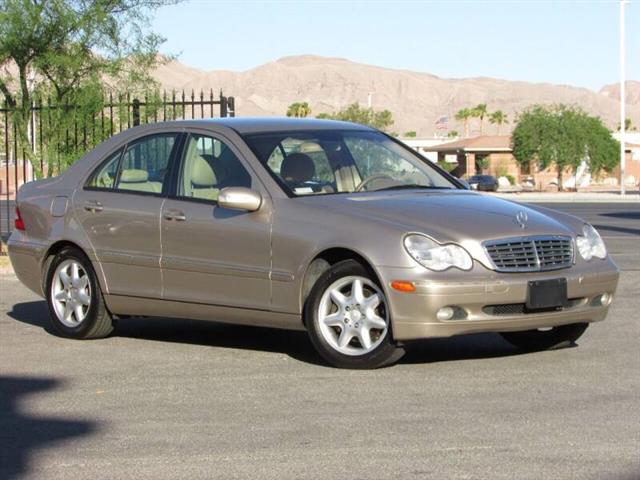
535, 340
347, 317
74, 297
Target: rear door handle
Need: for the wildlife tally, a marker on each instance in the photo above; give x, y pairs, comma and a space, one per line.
93, 206
175, 215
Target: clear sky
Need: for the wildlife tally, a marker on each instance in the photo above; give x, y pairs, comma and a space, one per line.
574, 43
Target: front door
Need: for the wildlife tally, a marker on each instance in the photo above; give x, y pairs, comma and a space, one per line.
119, 210
210, 254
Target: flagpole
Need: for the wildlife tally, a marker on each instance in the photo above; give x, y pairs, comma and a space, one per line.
623, 116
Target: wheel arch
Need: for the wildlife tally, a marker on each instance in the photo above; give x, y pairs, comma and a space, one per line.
56, 248
325, 259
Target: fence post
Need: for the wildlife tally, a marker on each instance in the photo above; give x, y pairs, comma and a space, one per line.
231, 106
223, 105
136, 112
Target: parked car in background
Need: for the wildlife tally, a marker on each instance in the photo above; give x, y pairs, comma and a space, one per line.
485, 183
324, 226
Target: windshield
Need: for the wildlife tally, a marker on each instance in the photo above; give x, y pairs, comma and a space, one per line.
326, 162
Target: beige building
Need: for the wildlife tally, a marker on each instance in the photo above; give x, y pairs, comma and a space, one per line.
492, 154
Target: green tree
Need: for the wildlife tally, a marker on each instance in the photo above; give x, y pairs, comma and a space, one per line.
72, 49
463, 115
299, 110
380, 119
563, 137
498, 118
480, 111
482, 163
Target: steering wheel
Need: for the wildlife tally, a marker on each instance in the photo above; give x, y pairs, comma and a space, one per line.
368, 180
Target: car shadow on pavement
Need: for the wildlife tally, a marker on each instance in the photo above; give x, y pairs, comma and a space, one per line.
464, 347
21, 434
295, 344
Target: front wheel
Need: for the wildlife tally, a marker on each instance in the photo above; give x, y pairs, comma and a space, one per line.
74, 297
347, 317
532, 340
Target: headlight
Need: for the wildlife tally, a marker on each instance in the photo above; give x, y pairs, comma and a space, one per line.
434, 256
590, 243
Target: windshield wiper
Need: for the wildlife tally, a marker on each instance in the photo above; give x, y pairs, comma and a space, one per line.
413, 186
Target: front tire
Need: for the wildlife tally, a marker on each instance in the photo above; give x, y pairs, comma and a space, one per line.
74, 297
535, 340
348, 320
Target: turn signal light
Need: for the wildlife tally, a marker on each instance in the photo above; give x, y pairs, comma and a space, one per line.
403, 286
19, 223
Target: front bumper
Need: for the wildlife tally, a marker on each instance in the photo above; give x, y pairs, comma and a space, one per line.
476, 293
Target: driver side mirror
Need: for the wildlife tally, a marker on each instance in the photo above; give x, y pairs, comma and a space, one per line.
239, 198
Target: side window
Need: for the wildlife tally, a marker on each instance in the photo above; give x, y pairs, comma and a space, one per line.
105, 174
145, 163
208, 166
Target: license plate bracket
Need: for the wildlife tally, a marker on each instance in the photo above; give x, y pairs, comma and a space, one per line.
547, 294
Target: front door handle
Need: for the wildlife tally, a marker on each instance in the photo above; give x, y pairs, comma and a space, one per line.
93, 206
175, 215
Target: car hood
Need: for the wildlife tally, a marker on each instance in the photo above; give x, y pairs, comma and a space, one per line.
456, 215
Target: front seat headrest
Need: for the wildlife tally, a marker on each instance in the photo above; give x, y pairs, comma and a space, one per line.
202, 174
298, 168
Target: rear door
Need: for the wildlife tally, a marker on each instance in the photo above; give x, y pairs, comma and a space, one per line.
210, 254
119, 210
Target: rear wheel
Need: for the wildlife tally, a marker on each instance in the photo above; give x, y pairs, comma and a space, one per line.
544, 339
348, 319
74, 297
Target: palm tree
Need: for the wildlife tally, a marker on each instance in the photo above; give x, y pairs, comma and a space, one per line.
463, 115
480, 111
498, 118
299, 109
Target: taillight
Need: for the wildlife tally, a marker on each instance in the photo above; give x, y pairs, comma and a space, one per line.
18, 220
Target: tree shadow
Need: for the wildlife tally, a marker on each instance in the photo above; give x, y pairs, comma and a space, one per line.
295, 344
21, 434
613, 228
625, 215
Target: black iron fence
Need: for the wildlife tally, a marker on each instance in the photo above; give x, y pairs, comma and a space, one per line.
53, 136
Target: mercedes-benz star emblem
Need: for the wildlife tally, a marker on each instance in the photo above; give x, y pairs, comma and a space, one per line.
522, 218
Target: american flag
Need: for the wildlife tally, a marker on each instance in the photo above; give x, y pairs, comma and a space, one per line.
442, 123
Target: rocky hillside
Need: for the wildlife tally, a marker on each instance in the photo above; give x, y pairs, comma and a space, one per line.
416, 99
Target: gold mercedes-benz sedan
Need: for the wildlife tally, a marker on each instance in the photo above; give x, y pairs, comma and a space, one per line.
326, 226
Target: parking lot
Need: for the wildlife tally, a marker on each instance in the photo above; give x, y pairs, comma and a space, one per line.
165, 398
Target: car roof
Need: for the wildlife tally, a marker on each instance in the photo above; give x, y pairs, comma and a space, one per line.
245, 125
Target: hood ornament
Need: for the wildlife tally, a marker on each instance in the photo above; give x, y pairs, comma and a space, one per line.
522, 218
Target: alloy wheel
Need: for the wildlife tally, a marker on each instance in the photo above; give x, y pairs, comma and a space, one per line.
353, 316
71, 293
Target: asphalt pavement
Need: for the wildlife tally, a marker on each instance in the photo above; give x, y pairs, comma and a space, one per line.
165, 399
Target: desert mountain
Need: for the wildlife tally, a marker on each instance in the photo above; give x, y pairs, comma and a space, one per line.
415, 99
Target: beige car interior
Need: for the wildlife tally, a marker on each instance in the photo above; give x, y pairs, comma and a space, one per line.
138, 180
198, 178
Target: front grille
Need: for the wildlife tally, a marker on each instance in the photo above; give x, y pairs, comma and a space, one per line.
530, 254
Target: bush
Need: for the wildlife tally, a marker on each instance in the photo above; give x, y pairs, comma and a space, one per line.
512, 180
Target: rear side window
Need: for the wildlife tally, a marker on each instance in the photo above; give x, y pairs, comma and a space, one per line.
141, 167
145, 164
105, 175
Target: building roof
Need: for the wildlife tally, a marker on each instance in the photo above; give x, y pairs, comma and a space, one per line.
485, 143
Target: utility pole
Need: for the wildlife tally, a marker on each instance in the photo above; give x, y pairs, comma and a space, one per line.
623, 116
